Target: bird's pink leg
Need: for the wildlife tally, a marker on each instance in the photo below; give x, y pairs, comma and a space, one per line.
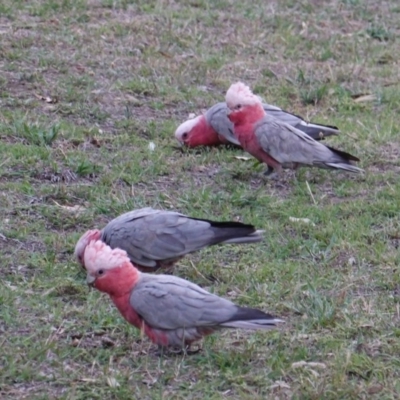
274, 167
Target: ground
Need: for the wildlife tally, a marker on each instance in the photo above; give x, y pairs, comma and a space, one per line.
86, 86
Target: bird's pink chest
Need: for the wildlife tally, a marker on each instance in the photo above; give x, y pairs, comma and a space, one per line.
126, 310
129, 313
247, 139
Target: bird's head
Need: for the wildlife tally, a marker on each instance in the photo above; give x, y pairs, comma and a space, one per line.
243, 104
84, 240
197, 132
109, 270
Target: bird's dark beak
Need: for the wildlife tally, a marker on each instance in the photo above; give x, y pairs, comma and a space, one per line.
179, 147
90, 280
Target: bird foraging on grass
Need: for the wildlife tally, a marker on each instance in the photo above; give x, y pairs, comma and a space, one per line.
158, 239
277, 143
169, 310
214, 127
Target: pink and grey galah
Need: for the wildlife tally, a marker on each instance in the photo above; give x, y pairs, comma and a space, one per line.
156, 238
171, 311
276, 143
214, 128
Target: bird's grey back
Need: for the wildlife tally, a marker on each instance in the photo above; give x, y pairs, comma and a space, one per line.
287, 144
149, 235
170, 302
282, 115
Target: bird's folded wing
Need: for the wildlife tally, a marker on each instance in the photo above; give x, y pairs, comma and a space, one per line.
157, 236
168, 302
285, 143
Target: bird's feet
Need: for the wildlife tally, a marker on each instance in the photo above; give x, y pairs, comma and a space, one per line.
270, 173
177, 350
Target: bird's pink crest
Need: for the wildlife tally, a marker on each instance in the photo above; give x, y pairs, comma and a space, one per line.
183, 130
240, 94
98, 256
84, 240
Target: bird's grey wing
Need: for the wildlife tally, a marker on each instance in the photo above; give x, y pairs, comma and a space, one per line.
282, 115
130, 215
287, 144
316, 131
169, 302
218, 118
157, 236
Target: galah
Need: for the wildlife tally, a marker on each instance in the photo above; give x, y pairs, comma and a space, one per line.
214, 128
277, 143
157, 238
171, 311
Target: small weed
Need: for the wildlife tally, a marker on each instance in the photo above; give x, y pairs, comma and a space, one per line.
86, 167
379, 32
311, 90
320, 309
37, 134
313, 95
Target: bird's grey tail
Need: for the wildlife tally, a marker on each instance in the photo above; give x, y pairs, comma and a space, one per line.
259, 324
345, 167
254, 237
233, 232
250, 318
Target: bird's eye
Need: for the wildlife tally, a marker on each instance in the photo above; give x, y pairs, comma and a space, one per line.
238, 106
100, 272
184, 135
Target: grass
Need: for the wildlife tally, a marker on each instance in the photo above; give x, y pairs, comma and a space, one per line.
86, 85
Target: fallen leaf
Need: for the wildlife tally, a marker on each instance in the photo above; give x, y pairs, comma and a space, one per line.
279, 385
72, 209
149, 381
165, 54
305, 220
310, 364
47, 292
373, 389
200, 168
112, 382
351, 261
364, 97
11, 287
242, 158
47, 99
132, 99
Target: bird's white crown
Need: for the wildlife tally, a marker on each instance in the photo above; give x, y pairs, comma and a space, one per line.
186, 127
100, 256
239, 93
